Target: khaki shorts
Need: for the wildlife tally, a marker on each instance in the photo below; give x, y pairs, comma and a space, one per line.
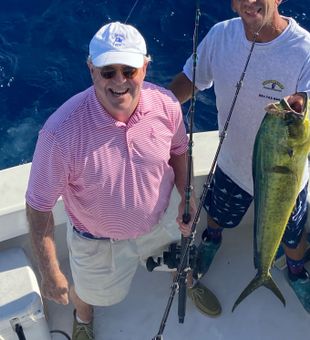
102, 270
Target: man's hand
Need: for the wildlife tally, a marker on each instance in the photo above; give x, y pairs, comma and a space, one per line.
55, 287
296, 102
186, 228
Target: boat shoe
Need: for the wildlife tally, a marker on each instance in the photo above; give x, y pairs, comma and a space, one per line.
82, 331
206, 302
205, 254
301, 286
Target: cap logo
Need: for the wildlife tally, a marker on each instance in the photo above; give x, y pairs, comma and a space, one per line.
118, 39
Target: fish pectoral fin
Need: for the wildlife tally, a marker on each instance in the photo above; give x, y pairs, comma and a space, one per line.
256, 283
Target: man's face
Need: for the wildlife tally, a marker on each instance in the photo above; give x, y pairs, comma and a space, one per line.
256, 13
118, 88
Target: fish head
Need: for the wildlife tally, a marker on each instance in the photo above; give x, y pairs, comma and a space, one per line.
294, 115
286, 110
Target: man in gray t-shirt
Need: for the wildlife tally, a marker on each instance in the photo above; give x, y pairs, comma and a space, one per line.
279, 66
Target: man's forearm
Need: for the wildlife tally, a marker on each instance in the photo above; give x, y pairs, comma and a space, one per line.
181, 87
42, 238
179, 165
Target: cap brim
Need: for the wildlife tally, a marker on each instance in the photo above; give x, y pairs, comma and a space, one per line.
123, 58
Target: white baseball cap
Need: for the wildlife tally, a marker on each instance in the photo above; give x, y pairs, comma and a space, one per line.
117, 43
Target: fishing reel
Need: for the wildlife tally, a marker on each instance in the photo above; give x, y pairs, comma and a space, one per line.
171, 259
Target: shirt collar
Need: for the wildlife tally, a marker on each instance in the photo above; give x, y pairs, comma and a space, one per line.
103, 119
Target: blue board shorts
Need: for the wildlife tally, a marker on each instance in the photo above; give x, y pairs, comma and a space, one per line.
226, 203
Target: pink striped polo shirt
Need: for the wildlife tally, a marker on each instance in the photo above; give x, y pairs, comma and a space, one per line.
114, 178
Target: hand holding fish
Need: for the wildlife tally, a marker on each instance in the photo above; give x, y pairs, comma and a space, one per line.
296, 102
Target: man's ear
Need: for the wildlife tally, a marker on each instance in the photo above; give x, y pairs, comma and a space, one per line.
233, 7
91, 69
90, 65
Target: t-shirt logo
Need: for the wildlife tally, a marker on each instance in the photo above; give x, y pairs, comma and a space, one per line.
273, 85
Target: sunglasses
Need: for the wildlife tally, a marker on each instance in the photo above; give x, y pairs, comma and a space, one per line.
128, 72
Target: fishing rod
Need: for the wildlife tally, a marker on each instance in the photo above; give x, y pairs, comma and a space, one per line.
180, 282
206, 186
185, 267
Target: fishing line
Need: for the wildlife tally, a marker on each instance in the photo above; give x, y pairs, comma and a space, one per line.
130, 12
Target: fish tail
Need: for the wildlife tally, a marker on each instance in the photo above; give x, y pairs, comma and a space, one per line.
257, 282
270, 284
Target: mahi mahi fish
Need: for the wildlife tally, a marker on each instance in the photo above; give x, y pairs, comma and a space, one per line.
279, 157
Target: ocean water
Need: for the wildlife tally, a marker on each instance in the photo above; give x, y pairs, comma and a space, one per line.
44, 46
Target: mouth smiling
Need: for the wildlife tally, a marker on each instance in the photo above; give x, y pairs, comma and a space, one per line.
117, 93
253, 13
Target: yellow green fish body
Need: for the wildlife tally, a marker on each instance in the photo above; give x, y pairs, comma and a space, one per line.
280, 154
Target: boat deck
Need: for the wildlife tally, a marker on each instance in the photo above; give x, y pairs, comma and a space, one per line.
261, 316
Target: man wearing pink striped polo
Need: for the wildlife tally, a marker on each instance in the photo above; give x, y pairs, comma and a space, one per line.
113, 153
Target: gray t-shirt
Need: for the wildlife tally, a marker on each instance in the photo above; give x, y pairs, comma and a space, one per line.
276, 69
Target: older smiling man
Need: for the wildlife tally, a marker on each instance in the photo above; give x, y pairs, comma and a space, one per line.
114, 153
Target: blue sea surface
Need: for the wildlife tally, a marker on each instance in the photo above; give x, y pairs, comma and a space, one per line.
44, 46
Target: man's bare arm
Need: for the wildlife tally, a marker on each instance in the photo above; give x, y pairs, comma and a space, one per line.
179, 165
181, 87
54, 284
